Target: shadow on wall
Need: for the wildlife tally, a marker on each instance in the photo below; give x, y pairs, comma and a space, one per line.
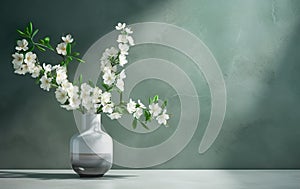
268, 135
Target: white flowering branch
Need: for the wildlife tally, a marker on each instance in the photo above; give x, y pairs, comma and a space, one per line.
86, 97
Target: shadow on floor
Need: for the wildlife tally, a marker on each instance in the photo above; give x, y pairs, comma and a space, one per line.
50, 176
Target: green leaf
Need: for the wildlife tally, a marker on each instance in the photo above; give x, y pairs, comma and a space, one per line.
79, 60
30, 28
99, 110
41, 48
68, 48
20, 32
67, 62
69, 58
35, 32
105, 86
76, 54
49, 46
42, 42
144, 125
134, 123
27, 31
155, 98
91, 83
80, 79
150, 100
31, 49
164, 104
147, 115
47, 40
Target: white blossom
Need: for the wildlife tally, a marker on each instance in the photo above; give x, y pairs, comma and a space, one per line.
162, 119
120, 26
30, 59
45, 83
35, 72
108, 67
108, 53
128, 30
57, 67
109, 77
70, 88
97, 91
155, 109
105, 98
61, 95
66, 85
96, 107
104, 64
115, 115
120, 84
96, 95
67, 39
122, 38
122, 60
141, 105
62, 48
130, 40
22, 70
61, 75
131, 106
137, 114
22, 45
108, 108
47, 68
85, 97
67, 107
73, 91
74, 101
86, 88
122, 74
89, 105
18, 60
123, 48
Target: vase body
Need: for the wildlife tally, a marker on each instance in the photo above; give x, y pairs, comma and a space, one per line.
91, 150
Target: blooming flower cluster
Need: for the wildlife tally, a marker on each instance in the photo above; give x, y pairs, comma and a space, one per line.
86, 97
155, 110
25, 63
112, 58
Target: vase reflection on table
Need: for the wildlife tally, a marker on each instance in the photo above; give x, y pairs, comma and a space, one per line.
91, 150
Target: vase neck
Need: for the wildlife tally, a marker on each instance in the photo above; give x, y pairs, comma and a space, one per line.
91, 122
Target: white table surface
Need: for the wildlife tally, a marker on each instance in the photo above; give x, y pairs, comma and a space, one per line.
152, 179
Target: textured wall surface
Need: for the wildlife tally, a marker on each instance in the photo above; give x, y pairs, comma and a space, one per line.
256, 44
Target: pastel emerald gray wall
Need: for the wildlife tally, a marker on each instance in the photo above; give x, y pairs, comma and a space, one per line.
256, 44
